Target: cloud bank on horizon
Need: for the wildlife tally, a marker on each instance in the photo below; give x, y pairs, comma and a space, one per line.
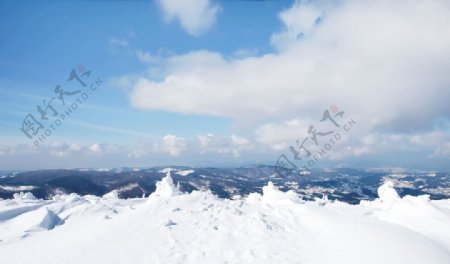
385, 63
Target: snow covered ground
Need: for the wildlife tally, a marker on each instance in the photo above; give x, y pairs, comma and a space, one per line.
173, 227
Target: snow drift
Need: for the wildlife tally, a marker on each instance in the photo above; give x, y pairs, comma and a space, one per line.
174, 227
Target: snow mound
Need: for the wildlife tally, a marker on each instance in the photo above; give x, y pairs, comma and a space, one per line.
48, 220
165, 188
31, 220
24, 196
112, 195
271, 194
387, 193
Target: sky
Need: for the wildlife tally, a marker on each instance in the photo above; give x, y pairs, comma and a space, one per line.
315, 84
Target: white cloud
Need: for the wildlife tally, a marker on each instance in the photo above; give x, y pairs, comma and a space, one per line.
204, 144
95, 148
222, 149
342, 152
118, 44
145, 56
239, 141
242, 53
443, 151
384, 62
205, 140
280, 135
299, 21
75, 147
117, 130
224, 145
195, 16
433, 138
173, 145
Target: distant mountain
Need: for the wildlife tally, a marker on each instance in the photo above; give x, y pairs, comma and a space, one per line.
344, 184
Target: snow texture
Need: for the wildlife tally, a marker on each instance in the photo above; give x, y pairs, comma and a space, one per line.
174, 227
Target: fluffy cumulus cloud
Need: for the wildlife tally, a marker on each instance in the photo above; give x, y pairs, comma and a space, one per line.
173, 145
299, 20
232, 146
195, 16
213, 146
386, 62
280, 135
95, 148
169, 144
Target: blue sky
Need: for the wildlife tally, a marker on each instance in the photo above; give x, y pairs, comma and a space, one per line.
227, 83
80, 32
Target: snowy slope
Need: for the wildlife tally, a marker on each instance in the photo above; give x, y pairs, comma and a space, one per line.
173, 227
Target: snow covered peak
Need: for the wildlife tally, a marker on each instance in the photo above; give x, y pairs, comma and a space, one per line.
387, 193
165, 187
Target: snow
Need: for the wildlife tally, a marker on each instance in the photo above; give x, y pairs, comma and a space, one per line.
17, 188
166, 170
165, 188
111, 195
179, 172
24, 196
304, 172
174, 227
184, 172
387, 193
